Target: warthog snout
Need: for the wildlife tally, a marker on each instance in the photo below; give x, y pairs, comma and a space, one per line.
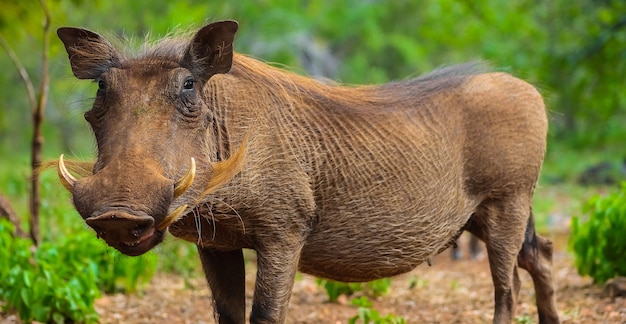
128, 211
130, 205
130, 233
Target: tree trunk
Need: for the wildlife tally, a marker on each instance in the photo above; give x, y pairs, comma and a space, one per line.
37, 141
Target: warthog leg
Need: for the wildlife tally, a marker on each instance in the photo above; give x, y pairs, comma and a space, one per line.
536, 257
225, 274
277, 264
501, 223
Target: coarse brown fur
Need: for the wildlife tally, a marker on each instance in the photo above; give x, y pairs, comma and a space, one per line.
347, 183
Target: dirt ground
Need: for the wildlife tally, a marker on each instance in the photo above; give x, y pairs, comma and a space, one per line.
446, 292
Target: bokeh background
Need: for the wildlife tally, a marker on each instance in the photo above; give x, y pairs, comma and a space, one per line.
574, 51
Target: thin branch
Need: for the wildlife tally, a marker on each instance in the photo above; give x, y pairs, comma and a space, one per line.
44, 84
30, 90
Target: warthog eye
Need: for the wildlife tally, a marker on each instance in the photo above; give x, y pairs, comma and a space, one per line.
188, 85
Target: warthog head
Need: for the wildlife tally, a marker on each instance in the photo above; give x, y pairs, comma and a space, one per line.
151, 121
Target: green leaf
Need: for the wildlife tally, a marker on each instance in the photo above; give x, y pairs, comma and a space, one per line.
362, 301
58, 318
26, 296
26, 277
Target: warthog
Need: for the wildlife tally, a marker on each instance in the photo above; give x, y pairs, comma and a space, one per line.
346, 183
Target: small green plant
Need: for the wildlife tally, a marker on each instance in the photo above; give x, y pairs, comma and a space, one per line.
378, 287
417, 282
598, 243
368, 315
525, 319
58, 281
50, 284
334, 289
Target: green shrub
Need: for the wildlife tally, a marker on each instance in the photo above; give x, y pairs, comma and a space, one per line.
59, 281
598, 243
51, 284
335, 288
369, 315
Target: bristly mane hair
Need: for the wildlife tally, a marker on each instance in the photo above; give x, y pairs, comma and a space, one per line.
348, 98
356, 98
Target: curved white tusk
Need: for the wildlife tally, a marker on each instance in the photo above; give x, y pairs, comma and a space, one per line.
171, 218
185, 182
67, 179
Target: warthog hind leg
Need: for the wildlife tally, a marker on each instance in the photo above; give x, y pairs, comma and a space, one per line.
495, 223
500, 224
536, 258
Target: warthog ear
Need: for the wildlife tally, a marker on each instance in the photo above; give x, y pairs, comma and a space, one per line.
211, 50
89, 53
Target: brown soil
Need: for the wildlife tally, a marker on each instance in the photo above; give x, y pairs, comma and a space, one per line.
446, 292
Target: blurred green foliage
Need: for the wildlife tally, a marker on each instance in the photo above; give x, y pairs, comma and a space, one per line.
334, 289
59, 281
573, 50
597, 237
367, 315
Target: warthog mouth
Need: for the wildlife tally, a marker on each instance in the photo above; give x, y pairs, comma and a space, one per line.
146, 242
130, 234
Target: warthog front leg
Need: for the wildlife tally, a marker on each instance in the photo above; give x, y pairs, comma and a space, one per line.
277, 265
225, 274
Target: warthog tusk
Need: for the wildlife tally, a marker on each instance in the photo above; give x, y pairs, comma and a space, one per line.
224, 171
185, 182
67, 179
171, 218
